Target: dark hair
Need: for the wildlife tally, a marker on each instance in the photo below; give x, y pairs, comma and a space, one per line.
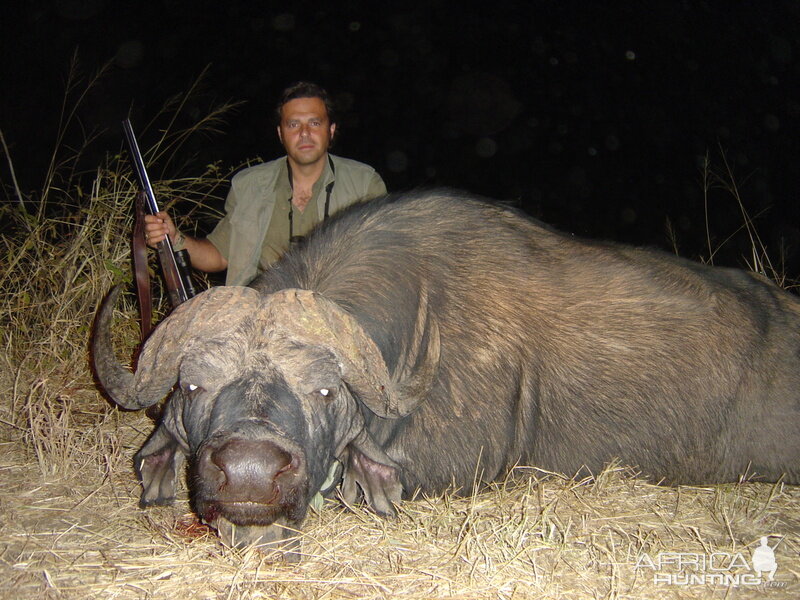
305, 89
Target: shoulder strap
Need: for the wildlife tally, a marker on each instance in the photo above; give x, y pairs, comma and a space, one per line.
139, 249
329, 189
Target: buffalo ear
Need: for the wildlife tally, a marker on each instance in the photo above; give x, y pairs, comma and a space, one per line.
368, 467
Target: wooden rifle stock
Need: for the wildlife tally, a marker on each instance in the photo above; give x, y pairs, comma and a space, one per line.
174, 265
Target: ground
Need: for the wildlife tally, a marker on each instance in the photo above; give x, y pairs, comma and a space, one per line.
70, 528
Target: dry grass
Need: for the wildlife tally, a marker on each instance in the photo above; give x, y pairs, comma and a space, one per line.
70, 527
760, 259
76, 533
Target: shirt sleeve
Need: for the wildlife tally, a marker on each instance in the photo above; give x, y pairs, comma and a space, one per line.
375, 187
221, 236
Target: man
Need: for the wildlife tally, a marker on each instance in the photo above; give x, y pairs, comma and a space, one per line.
273, 204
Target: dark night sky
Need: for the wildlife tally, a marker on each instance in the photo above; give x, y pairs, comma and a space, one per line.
593, 116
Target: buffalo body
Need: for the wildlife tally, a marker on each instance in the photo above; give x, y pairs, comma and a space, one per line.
423, 339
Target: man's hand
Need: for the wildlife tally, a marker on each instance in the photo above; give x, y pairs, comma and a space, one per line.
203, 254
157, 227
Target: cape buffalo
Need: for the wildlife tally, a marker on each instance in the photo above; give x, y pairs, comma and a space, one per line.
422, 339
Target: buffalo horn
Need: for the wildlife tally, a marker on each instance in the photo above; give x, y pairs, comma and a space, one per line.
316, 320
210, 313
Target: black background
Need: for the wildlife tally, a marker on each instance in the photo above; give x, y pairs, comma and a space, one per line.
593, 116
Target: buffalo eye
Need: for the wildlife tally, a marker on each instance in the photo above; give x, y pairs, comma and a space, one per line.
326, 393
192, 389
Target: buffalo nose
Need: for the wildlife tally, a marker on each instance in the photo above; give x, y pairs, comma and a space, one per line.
245, 470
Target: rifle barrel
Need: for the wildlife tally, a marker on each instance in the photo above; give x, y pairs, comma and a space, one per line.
177, 287
138, 163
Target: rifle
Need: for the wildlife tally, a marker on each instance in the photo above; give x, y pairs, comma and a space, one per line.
174, 265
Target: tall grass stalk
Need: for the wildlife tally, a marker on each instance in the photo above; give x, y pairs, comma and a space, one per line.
759, 260
61, 252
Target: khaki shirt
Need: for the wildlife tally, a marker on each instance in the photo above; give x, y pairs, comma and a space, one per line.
254, 232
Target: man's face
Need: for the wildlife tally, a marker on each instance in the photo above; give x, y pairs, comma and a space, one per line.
305, 130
